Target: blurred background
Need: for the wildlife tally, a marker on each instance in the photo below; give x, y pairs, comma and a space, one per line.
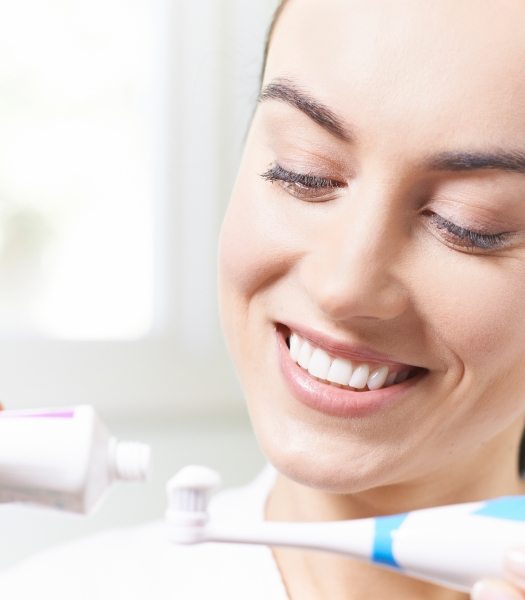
121, 127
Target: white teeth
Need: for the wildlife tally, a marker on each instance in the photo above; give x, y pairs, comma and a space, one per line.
340, 371
390, 379
319, 363
359, 377
295, 346
377, 378
402, 376
305, 353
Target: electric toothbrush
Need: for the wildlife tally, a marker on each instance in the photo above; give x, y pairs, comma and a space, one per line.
453, 546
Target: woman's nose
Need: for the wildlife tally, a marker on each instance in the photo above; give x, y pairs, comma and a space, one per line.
352, 272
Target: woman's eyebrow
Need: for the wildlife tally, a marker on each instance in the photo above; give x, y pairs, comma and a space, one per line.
499, 160
287, 91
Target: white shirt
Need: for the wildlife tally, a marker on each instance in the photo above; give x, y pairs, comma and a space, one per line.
141, 563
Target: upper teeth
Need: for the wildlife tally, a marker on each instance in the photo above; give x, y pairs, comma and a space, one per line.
340, 370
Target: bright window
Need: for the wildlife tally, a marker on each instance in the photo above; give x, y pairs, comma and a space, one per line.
76, 168
121, 126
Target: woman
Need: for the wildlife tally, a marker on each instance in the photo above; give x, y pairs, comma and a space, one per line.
379, 216
372, 276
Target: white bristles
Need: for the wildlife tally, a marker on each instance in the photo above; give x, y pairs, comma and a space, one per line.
188, 495
188, 500
190, 488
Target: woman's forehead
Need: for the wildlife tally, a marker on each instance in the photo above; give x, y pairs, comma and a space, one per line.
443, 64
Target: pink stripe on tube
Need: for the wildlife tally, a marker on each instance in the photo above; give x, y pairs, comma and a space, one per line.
20, 414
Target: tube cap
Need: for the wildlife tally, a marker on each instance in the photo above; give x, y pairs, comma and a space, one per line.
131, 461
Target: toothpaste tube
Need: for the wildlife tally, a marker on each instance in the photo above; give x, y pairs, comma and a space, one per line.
63, 458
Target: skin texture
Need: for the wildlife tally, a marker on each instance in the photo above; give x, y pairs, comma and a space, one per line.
368, 265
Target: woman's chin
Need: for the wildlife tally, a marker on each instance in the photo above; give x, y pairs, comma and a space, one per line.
325, 472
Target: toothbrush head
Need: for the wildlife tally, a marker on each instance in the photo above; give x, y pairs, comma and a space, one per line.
188, 494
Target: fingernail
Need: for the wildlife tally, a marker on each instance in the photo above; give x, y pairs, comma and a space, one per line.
488, 590
515, 561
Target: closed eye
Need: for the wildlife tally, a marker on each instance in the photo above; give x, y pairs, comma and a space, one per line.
468, 238
304, 186
313, 188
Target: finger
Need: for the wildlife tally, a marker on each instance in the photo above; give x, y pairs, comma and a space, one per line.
515, 567
489, 589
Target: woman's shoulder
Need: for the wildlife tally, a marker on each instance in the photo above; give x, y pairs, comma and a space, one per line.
141, 562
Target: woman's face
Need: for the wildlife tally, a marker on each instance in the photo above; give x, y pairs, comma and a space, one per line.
386, 134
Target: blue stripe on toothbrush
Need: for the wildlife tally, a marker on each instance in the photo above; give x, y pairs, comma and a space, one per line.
385, 528
510, 508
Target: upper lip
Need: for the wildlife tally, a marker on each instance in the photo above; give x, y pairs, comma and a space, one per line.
342, 349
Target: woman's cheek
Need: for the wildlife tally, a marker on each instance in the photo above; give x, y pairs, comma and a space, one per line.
474, 304
255, 243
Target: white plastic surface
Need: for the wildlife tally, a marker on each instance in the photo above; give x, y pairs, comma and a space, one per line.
62, 458
131, 461
451, 547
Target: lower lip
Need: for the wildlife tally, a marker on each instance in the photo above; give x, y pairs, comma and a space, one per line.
332, 400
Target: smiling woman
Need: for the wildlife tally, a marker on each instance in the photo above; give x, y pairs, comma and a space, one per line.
379, 207
371, 283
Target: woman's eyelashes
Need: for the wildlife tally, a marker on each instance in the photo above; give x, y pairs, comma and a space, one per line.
313, 188
467, 238
304, 186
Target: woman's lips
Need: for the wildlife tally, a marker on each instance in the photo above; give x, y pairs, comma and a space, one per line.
333, 400
359, 353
